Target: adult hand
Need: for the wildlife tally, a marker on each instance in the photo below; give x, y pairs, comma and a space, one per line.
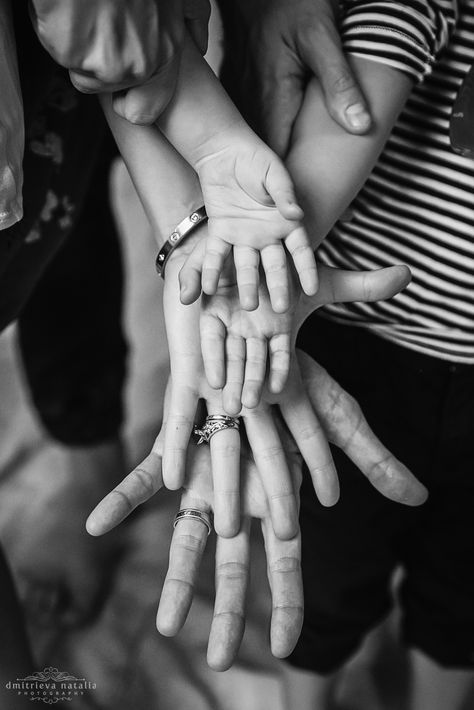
112, 45
346, 427
289, 40
188, 384
232, 555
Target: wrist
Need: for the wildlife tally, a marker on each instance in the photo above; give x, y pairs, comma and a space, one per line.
218, 142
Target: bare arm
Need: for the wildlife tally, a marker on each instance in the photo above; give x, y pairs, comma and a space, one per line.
330, 166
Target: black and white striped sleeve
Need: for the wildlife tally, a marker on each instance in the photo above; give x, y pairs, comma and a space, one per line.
407, 36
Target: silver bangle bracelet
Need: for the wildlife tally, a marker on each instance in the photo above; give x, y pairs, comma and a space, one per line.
182, 231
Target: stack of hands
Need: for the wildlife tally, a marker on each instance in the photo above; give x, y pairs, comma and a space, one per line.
291, 410
236, 293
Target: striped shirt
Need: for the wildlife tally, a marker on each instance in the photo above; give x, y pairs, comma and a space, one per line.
417, 207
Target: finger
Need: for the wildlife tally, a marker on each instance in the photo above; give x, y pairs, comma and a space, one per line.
179, 426
90, 84
338, 286
186, 550
278, 81
284, 576
213, 334
279, 347
299, 246
246, 262
145, 103
279, 186
348, 429
190, 274
225, 458
232, 575
311, 440
217, 250
140, 485
197, 14
255, 367
276, 274
271, 462
235, 367
344, 99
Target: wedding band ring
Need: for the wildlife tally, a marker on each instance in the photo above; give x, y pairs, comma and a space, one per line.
193, 514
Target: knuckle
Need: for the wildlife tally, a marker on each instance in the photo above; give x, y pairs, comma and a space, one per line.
285, 565
125, 499
190, 543
268, 454
227, 451
342, 82
147, 481
231, 570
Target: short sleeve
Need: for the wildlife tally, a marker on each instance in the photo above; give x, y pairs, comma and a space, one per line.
407, 36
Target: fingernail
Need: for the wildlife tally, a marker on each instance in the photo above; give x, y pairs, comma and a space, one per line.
358, 116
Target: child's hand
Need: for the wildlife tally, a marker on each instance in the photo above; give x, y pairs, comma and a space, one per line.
252, 209
236, 345
242, 350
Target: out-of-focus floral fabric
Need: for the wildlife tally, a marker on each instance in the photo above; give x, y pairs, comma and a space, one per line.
11, 124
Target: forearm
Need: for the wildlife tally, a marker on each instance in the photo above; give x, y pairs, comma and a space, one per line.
330, 166
167, 186
200, 117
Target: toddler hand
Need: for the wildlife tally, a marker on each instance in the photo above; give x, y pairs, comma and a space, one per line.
253, 212
244, 351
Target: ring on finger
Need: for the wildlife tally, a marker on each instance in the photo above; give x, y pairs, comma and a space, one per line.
194, 514
213, 424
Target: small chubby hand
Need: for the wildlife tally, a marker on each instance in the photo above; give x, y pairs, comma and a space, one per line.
245, 351
253, 214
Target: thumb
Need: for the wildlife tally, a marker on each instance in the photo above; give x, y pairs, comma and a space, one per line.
339, 286
144, 104
344, 99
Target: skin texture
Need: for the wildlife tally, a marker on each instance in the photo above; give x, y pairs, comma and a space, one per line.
128, 46
344, 424
290, 41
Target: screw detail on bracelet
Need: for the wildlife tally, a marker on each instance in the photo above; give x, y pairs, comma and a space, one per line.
183, 230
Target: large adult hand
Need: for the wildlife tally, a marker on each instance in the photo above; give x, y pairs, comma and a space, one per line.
112, 45
346, 427
232, 555
290, 39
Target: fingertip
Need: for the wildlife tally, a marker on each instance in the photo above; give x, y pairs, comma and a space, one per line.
357, 118
93, 527
187, 295
232, 403
226, 526
417, 495
292, 210
250, 399
405, 274
284, 516
226, 635
166, 625
173, 476
249, 302
309, 282
280, 301
285, 630
329, 498
209, 286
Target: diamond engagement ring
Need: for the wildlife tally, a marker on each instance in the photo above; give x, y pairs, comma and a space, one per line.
213, 424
